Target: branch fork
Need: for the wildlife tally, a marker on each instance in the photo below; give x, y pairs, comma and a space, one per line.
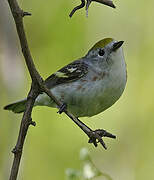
87, 4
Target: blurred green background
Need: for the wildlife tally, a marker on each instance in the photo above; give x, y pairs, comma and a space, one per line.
55, 40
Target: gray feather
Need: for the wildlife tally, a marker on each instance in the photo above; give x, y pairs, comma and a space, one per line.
17, 107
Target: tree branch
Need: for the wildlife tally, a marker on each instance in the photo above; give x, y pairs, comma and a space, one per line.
105, 2
37, 87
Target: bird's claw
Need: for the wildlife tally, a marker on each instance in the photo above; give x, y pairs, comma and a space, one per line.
62, 108
95, 137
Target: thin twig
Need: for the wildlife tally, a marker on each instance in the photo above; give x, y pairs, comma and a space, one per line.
26, 121
105, 2
77, 8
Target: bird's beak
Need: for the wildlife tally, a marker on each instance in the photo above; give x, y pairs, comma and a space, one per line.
117, 45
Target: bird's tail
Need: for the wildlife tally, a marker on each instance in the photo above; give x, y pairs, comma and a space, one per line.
17, 107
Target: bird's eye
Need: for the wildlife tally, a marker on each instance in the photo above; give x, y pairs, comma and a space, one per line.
101, 52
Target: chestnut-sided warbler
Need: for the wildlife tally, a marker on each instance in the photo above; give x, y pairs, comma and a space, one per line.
88, 85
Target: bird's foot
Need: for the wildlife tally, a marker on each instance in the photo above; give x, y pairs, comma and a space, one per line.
62, 108
96, 137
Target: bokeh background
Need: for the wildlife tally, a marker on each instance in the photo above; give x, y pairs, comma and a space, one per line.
55, 40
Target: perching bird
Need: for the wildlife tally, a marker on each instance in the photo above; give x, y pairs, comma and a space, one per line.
88, 85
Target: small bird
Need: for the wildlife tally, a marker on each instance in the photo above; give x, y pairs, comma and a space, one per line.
89, 85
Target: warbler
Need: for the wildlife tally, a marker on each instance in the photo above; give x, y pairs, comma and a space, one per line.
89, 85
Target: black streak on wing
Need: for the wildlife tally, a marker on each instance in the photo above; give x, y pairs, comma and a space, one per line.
80, 70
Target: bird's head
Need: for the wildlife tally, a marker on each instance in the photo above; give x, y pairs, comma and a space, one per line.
107, 49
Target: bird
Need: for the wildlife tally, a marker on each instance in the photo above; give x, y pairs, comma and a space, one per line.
88, 85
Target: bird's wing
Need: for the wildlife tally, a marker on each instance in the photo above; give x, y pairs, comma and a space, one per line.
69, 73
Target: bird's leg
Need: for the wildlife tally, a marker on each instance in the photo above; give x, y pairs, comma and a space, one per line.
95, 136
62, 108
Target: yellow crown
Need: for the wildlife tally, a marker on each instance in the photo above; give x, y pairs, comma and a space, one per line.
102, 43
